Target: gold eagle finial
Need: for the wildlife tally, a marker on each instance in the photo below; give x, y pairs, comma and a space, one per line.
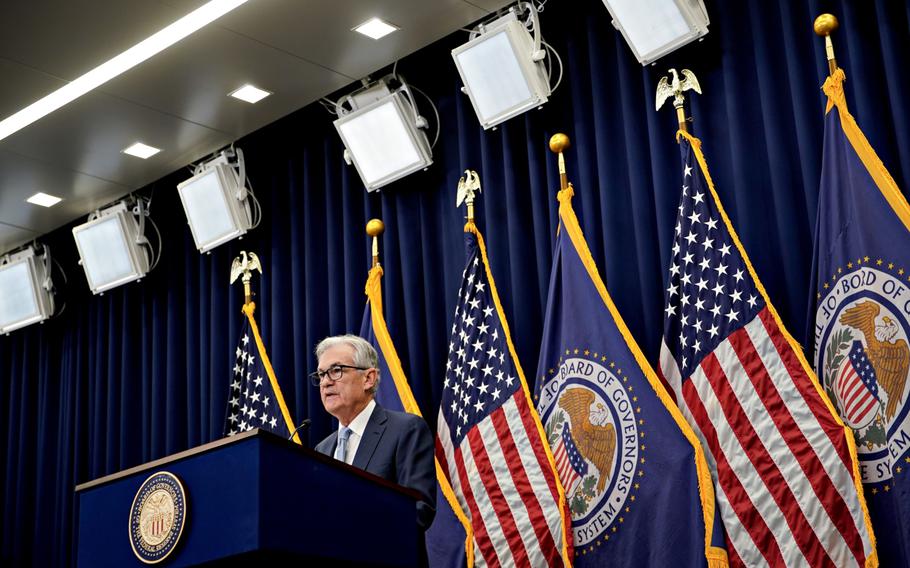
468, 187
244, 266
676, 87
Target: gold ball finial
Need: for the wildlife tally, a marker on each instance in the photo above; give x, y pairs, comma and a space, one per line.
375, 227
825, 25
559, 142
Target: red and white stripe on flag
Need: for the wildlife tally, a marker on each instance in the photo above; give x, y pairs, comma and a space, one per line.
564, 469
857, 401
502, 479
780, 460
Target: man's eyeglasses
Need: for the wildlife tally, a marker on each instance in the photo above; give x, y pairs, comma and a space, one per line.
334, 373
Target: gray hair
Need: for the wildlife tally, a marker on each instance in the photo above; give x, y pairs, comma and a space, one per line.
364, 353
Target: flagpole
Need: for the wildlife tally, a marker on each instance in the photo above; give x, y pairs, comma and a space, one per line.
681, 118
559, 142
824, 26
375, 227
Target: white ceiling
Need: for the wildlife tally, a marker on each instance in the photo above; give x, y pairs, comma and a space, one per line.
300, 50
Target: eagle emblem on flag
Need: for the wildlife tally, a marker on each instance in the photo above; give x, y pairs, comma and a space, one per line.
585, 405
864, 360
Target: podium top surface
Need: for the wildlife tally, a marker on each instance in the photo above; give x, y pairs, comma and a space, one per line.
266, 436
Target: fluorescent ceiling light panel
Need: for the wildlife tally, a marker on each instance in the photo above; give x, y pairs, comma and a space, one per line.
141, 150
654, 28
213, 209
375, 28
250, 94
499, 73
384, 143
133, 56
44, 200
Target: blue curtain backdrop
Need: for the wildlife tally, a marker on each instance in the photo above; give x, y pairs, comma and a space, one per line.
143, 371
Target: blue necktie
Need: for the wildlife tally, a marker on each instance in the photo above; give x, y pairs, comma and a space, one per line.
342, 447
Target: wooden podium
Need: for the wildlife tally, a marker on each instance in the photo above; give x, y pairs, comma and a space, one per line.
257, 497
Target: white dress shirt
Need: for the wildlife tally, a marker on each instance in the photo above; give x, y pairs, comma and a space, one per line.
357, 426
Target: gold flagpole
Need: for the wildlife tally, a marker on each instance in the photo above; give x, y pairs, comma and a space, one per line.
675, 88
824, 26
375, 227
559, 142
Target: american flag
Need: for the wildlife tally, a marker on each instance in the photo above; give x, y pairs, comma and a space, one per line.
780, 460
255, 400
569, 464
489, 439
857, 388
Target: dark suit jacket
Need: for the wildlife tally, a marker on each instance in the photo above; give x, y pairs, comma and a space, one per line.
399, 447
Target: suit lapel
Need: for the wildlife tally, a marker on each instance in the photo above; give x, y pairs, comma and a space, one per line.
328, 446
371, 436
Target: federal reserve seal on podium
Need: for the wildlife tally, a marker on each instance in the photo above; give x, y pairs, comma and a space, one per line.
157, 517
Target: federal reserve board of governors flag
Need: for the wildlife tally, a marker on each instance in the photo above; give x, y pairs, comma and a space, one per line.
489, 440
636, 480
255, 399
783, 463
861, 316
447, 542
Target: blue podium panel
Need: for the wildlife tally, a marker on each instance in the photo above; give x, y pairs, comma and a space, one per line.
256, 497
339, 512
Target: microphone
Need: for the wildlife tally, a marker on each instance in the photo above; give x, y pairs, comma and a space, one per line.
303, 426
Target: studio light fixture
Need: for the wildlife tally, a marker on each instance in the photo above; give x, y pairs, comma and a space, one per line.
26, 288
113, 248
506, 67
249, 93
383, 132
218, 205
654, 28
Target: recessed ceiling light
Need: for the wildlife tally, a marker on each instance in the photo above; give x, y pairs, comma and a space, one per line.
250, 94
133, 56
375, 28
141, 150
44, 200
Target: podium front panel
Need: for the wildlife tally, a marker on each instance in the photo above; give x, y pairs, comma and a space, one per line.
257, 497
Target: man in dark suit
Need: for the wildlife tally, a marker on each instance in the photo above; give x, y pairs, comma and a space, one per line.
394, 445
